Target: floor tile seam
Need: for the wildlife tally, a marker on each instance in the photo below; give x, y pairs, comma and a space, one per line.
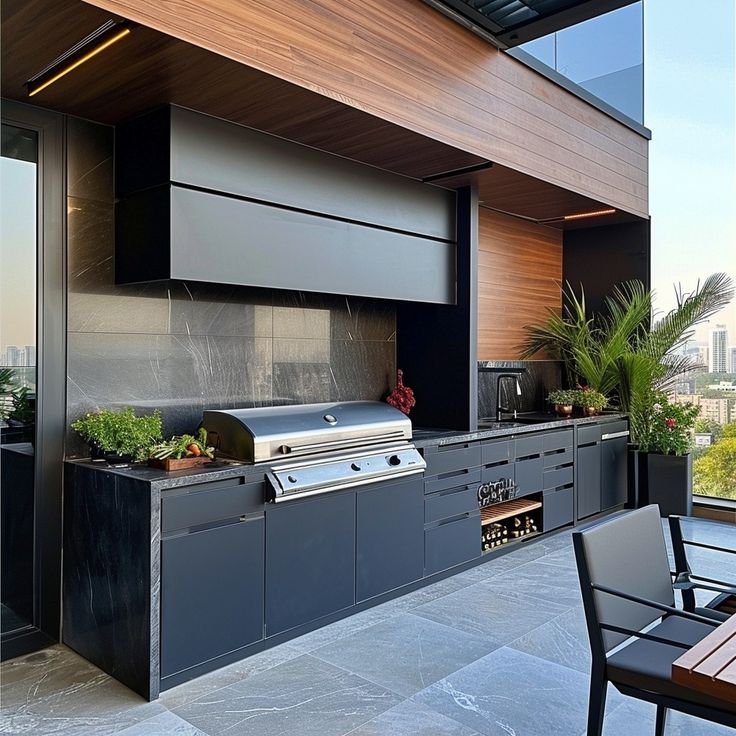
117, 732
410, 699
340, 638
235, 682
454, 630
342, 669
349, 671
528, 594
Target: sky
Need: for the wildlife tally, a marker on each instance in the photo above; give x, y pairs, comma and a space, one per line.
690, 106
17, 253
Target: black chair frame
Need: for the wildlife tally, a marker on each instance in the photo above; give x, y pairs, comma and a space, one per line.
686, 581
599, 671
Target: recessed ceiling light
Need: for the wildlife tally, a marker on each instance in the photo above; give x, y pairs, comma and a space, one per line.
97, 41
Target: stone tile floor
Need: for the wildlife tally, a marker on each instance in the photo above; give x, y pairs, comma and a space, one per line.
499, 650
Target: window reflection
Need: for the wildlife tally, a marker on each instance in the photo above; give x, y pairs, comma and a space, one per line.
604, 55
18, 225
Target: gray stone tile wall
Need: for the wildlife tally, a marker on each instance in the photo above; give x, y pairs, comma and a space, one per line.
186, 346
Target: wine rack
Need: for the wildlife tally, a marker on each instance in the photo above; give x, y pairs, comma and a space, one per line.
509, 522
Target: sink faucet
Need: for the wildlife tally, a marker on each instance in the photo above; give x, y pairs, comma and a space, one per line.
501, 409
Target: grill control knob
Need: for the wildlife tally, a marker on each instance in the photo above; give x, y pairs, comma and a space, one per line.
355, 466
394, 460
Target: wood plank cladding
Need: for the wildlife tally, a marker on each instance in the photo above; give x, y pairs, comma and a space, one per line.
519, 275
404, 62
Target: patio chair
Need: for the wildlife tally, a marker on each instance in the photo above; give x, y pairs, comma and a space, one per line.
688, 583
635, 631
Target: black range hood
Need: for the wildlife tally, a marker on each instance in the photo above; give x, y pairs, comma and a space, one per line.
203, 199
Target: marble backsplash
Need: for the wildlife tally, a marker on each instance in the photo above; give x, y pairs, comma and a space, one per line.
185, 346
538, 378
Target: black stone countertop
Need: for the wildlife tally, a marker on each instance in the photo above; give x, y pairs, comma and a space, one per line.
160, 480
433, 437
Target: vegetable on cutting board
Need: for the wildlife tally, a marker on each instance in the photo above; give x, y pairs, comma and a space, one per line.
183, 445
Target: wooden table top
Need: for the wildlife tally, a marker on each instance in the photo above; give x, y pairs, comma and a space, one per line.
710, 665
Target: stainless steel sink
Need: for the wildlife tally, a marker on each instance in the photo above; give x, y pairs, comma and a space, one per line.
492, 424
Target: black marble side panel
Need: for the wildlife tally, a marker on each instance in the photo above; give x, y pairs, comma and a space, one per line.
110, 601
538, 379
182, 347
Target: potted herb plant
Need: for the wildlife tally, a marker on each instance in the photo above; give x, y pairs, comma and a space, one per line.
590, 401
665, 439
563, 400
119, 436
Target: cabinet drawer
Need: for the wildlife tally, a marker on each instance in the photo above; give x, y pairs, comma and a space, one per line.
206, 503
558, 440
449, 458
452, 480
454, 502
527, 446
588, 435
614, 427
557, 509
528, 475
560, 457
495, 473
452, 543
496, 451
556, 477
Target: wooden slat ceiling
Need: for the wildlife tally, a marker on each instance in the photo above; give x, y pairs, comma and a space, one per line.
148, 68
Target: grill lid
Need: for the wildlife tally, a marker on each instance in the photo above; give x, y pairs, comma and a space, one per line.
276, 432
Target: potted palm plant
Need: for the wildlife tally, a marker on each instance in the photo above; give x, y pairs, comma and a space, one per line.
627, 353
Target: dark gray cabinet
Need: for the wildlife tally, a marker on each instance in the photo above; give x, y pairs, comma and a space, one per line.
390, 536
614, 472
588, 483
211, 593
310, 560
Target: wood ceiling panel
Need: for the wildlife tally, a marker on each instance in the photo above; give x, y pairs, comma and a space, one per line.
148, 68
406, 63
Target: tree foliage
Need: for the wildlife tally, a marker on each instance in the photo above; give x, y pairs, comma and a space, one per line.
714, 473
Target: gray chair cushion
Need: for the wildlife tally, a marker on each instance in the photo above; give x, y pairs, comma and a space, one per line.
647, 665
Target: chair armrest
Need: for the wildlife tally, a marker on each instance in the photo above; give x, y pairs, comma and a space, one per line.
644, 635
688, 581
654, 604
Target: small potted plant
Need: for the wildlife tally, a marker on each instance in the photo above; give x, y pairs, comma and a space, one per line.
563, 400
181, 451
591, 402
119, 436
665, 444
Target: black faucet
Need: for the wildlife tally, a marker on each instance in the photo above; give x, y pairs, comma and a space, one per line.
501, 409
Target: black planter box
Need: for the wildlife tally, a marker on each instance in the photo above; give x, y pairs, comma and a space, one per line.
669, 482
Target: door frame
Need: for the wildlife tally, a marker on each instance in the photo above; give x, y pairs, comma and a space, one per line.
50, 374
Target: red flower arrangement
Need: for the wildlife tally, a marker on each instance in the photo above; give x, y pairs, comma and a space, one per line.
402, 397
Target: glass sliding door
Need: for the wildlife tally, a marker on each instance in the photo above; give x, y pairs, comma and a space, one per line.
18, 377
32, 375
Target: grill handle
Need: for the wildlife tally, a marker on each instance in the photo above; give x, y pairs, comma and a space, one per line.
295, 449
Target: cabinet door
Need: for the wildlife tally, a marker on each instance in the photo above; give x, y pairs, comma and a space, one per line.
310, 559
390, 543
589, 480
614, 476
211, 593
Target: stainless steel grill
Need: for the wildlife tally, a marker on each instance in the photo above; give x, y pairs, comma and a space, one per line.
315, 448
